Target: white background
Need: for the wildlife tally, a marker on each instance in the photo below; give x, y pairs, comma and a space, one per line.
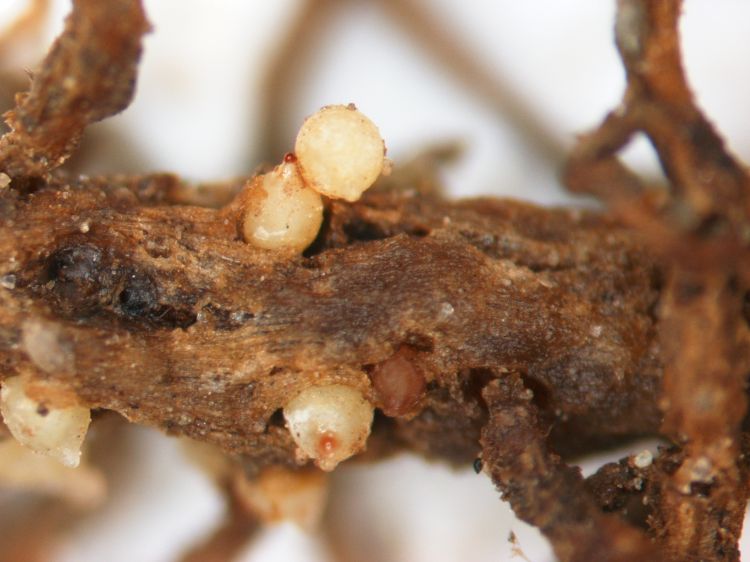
198, 112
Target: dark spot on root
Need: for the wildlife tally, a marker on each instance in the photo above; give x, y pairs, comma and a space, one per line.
702, 489
138, 297
79, 280
474, 382
139, 300
27, 185
277, 419
362, 231
85, 283
350, 228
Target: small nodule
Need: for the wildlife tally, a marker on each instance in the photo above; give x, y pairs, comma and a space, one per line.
399, 384
329, 423
281, 212
340, 152
57, 432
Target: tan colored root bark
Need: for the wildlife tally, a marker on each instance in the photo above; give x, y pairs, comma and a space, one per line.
162, 314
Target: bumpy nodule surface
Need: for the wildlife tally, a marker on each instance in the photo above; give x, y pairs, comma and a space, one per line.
57, 433
329, 423
281, 212
340, 152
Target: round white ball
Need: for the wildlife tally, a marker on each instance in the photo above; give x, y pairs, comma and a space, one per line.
281, 212
329, 423
340, 152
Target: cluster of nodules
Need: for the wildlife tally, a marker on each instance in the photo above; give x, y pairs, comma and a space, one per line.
330, 423
338, 154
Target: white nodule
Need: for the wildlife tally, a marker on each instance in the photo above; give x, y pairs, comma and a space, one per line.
340, 152
281, 212
55, 432
329, 423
